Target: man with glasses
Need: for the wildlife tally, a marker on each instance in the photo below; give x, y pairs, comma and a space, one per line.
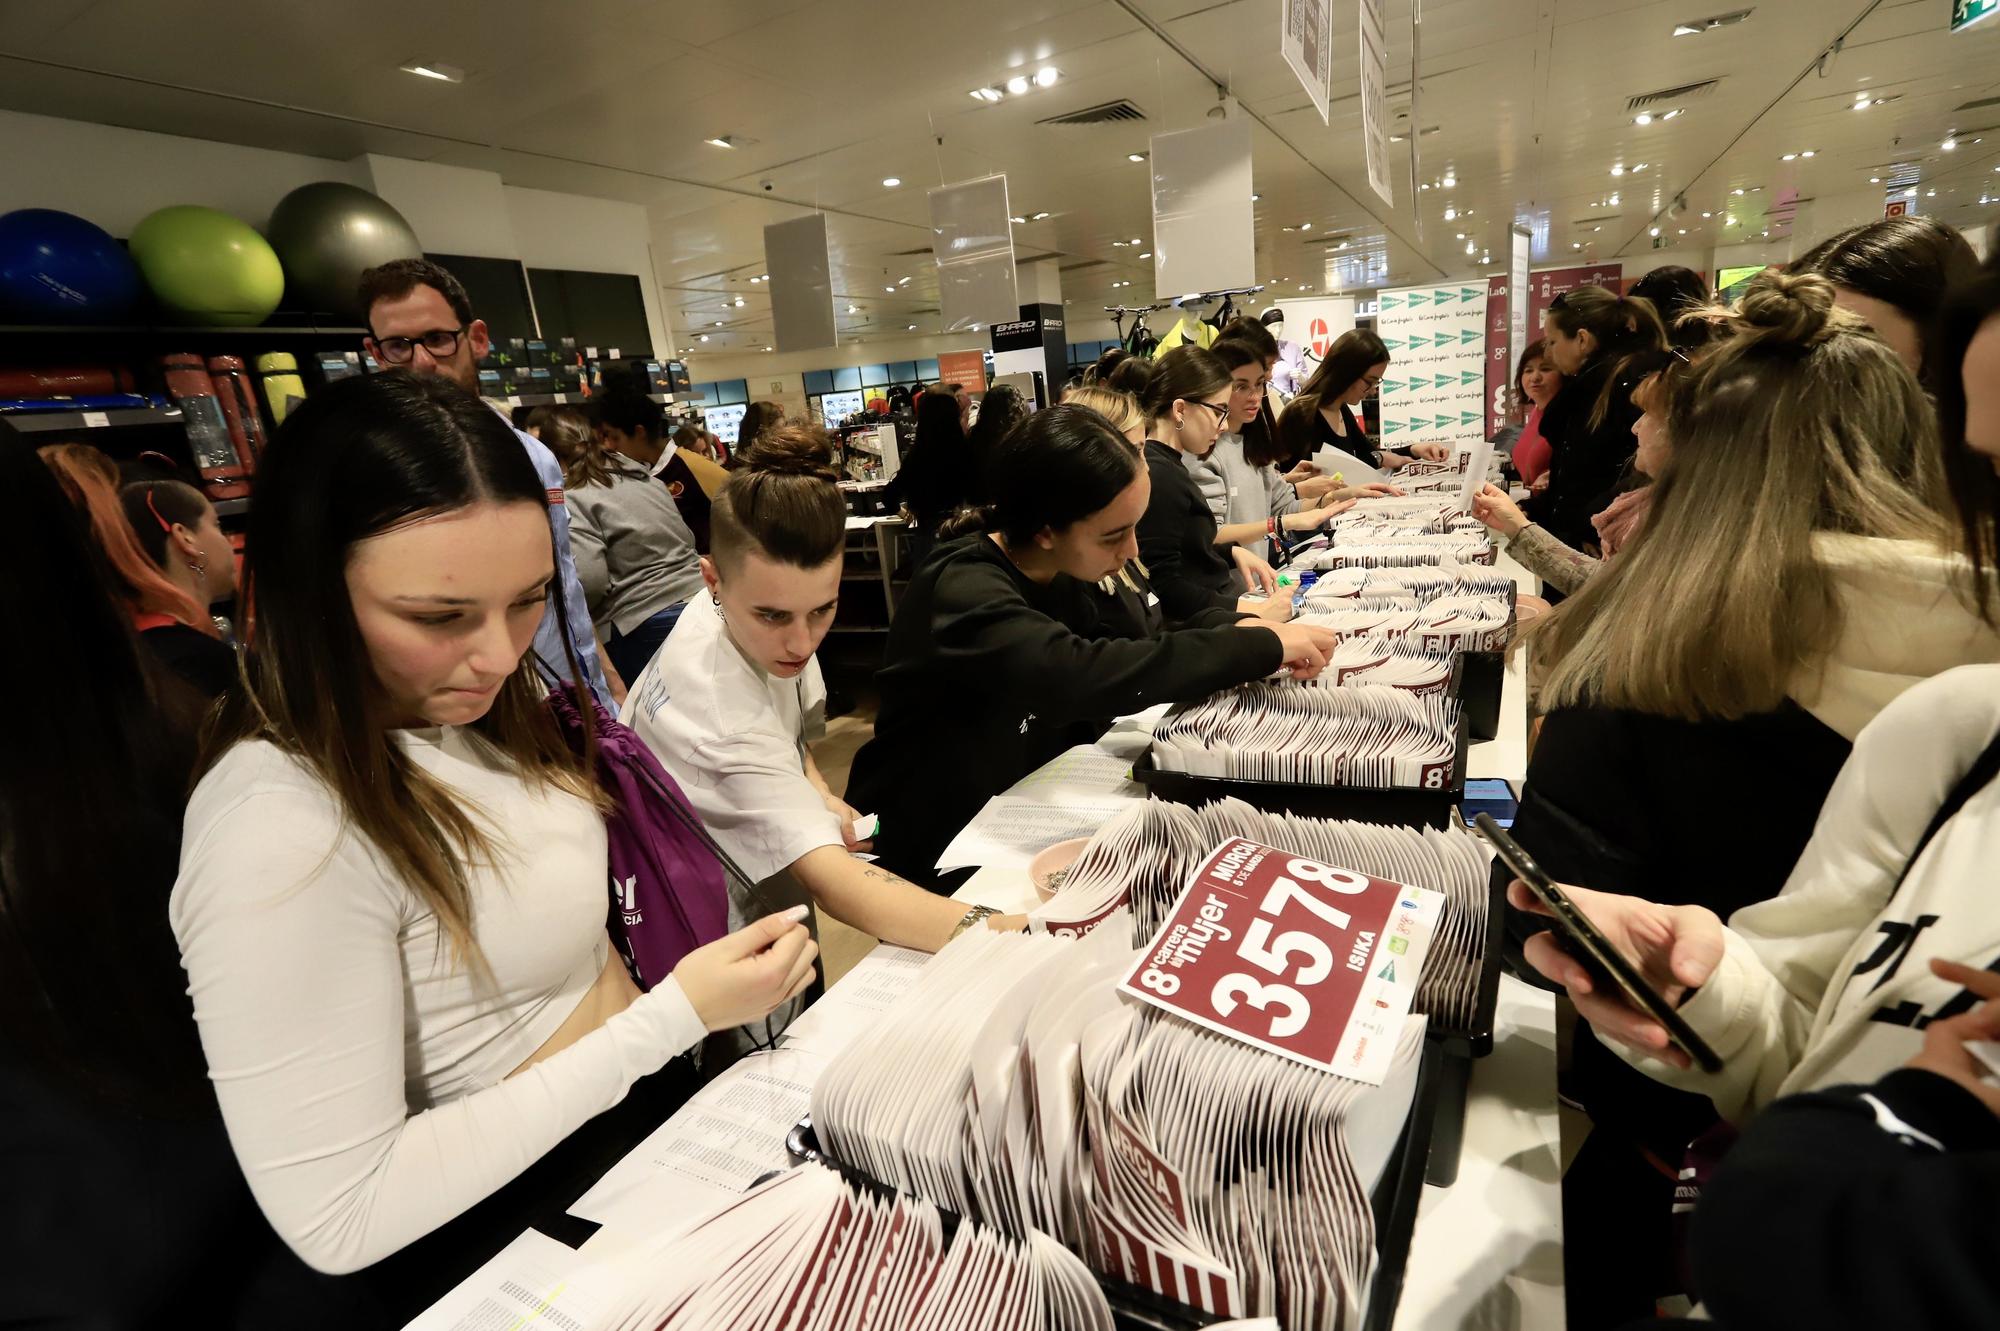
420, 320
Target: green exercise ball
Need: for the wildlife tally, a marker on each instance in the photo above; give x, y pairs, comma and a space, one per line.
327, 234
207, 267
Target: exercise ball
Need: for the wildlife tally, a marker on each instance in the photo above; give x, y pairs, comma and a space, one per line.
57, 268
327, 234
207, 267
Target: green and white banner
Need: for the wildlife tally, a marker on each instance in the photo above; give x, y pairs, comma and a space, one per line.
1435, 387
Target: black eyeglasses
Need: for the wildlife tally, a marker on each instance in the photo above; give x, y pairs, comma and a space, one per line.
1221, 413
439, 342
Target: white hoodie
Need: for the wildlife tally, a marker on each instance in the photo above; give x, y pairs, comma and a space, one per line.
1904, 618
1830, 981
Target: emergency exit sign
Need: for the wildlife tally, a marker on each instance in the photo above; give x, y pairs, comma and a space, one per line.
1965, 13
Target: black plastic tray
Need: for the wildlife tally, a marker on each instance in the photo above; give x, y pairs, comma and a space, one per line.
1397, 1196
1396, 805
1477, 680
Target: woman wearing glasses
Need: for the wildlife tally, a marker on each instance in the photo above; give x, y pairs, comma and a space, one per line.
1186, 403
1322, 415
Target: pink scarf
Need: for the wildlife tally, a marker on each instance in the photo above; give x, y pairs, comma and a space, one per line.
1621, 519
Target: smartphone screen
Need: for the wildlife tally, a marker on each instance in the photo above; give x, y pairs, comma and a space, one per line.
1488, 795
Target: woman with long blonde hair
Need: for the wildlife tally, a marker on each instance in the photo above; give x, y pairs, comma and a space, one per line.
1795, 573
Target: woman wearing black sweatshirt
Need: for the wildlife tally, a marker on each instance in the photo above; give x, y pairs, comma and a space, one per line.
1186, 403
986, 668
1603, 344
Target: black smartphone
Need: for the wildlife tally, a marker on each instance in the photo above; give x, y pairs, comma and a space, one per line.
1488, 795
1592, 950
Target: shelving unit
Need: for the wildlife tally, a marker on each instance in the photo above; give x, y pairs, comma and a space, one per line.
583, 399
38, 422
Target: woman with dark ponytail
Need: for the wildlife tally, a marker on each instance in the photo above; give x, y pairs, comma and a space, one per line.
986, 673
1598, 341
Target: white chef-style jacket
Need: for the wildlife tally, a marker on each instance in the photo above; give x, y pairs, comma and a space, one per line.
734, 738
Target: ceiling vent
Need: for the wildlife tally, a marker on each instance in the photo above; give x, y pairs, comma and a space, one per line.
1602, 217
1979, 105
911, 254
1107, 113
1687, 92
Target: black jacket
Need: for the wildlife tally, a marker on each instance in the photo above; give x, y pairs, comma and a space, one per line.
1706, 813
1821, 1217
1586, 462
208, 665
985, 677
1190, 572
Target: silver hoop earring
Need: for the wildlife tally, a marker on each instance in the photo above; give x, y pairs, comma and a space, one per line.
198, 566
1180, 423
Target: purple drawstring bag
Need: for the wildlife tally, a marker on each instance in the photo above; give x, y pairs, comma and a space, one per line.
668, 893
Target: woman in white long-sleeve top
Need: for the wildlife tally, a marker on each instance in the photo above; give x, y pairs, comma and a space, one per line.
392, 898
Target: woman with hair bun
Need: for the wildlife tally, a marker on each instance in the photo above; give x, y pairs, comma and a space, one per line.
727, 702
1795, 574
986, 671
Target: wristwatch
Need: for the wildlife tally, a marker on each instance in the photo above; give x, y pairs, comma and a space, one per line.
972, 917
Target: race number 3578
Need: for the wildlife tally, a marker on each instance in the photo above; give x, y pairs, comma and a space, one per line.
1269, 947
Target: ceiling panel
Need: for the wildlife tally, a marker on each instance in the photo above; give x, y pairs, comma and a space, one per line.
1523, 108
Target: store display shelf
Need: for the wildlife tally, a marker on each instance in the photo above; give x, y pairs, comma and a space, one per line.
35, 422
580, 399
162, 330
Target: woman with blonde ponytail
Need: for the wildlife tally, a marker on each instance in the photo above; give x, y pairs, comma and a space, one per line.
1794, 575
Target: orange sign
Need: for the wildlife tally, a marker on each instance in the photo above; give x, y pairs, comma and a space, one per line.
963, 367
1897, 208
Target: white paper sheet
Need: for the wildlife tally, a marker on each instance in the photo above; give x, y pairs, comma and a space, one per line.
1353, 471
1012, 830
1476, 467
1087, 770
532, 1283
732, 1131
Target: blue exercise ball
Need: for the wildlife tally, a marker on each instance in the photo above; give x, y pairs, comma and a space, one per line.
56, 268
327, 234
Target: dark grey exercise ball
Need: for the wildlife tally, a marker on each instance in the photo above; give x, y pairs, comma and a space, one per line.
327, 234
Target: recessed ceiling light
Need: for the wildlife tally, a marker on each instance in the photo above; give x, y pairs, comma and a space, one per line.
1018, 221
434, 69
1288, 228
704, 337
1036, 217
1950, 143
1695, 27
1706, 215
1305, 226
853, 309
718, 323
1135, 157
1137, 241
1930, 194
911, 328
1046, 76
890, 290
1643, 118
987, 94
739, 302
1653, 231
767, 348
1681, 231
1737, 192
1576, 244
1450, 214
902, 281
1810, 152
890, 182
1147, 255
1729, 221
1117, 244
1597, 228
1910, 193
723, 141
1638, 166
1449, 181
1018, 84
1618, 170
1671, 114
1256, 198
1471, 248
1343, 245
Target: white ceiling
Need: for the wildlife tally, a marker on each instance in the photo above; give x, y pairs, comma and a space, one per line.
615, 97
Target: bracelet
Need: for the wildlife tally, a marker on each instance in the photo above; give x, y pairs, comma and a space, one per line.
972, 917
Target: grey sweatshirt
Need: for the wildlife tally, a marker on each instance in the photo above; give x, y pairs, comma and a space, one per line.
634, 553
